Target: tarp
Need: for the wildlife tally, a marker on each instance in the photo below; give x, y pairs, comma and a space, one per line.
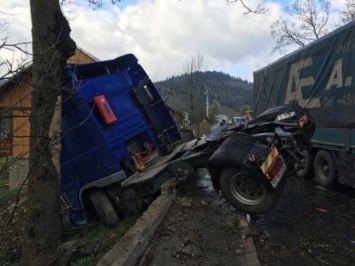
319, 76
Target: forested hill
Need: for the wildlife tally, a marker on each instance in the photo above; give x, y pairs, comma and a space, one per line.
229, 91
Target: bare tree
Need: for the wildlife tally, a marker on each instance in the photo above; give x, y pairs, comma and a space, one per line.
347, 12
19, 52
307, 23
192, 70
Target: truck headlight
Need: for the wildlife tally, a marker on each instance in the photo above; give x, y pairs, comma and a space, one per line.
286, 115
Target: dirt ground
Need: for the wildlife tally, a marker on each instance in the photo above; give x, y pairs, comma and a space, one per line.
201, 228
309, 226
11, 228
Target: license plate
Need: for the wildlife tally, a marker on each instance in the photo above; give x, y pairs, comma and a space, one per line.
279, 174
274, 167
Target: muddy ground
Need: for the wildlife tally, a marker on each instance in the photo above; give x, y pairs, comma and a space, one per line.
201, 228
309, 226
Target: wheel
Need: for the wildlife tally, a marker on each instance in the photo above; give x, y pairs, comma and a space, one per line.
104, 209
324, 169
308, 171
244, 192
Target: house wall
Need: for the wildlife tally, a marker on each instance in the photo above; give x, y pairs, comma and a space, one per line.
17, 97
17, 100
81, 57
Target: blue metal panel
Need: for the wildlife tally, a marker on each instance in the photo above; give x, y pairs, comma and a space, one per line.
336, 139
92, 150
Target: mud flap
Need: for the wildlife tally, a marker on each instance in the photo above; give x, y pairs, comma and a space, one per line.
236, 151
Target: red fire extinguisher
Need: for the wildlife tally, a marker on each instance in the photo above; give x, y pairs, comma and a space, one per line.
105, 109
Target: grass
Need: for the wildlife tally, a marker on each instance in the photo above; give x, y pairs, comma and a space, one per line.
97, 239
85, 262
4, 187
172, 146
12, 264
4, 177
103, 239
4, 168
101, 233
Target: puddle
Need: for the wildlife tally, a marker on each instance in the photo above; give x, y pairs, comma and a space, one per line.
203, 181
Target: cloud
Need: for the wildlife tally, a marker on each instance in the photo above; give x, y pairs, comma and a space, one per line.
15, 26
164, 34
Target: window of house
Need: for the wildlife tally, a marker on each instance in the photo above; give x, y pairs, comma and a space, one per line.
5, 123
5, 131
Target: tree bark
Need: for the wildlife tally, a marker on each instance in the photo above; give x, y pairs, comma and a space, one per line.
52, 46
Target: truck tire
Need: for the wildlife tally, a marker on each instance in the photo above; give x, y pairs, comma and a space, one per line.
324, 169
308, 171
104, 209
243, 191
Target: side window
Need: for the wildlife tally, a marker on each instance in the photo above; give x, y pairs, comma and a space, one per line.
5, 131
150, 96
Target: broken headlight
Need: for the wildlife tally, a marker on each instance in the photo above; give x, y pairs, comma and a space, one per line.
285, 116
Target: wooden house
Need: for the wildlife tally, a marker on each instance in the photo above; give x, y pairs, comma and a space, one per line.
15, 106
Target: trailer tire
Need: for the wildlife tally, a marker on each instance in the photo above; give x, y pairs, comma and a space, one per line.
308, 171
324, 168
244, 192
104, 209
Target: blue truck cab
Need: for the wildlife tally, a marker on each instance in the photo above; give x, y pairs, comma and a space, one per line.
114, 124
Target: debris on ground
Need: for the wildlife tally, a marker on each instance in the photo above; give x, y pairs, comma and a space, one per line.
299, 235
201, 228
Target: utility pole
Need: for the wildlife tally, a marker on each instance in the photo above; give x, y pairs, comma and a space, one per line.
207, 105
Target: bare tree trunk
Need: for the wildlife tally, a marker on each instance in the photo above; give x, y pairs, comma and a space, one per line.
52, 46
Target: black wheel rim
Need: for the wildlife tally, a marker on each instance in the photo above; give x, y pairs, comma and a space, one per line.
247, 190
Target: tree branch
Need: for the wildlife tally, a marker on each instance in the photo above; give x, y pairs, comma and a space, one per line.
258, 10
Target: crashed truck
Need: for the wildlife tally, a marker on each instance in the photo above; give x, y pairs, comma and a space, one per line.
116, 141
114, 124
321, 78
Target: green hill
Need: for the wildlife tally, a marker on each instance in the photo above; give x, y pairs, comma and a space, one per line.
229, 91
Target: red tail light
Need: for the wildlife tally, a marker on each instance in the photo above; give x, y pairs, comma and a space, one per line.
275, 168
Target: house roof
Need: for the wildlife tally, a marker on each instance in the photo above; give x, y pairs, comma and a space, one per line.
16, 78
88, 54
26, 71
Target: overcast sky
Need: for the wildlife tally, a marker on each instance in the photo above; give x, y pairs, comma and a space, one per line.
165, 34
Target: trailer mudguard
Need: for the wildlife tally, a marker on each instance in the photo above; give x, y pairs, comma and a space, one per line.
234, 151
